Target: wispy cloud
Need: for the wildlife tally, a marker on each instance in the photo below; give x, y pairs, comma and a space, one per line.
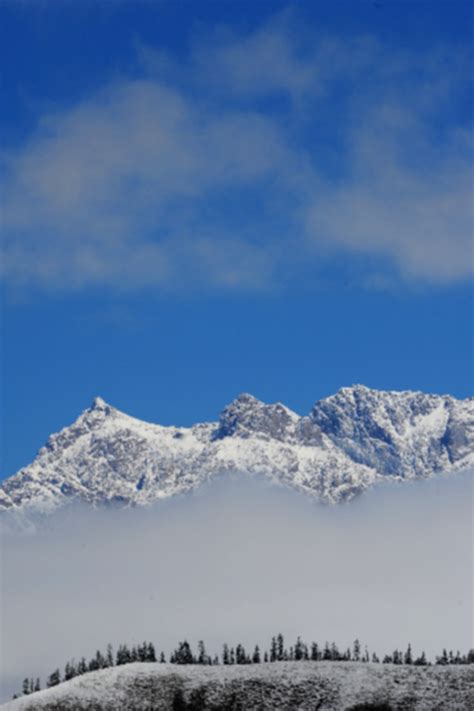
261, 154
116, 190
403, 199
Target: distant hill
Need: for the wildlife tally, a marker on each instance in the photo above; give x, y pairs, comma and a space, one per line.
326, 686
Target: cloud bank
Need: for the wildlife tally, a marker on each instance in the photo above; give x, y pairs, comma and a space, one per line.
254, 162
239, 561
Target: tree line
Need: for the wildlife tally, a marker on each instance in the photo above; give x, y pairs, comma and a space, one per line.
276, 652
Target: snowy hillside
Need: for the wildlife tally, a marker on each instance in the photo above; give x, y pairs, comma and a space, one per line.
347, 443
329, 686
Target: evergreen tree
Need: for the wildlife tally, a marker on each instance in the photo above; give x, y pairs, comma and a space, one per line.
119, 655
150, 654
70, 671
110, 656
375, 659
326, 652
397, 657
123, 655
408, 658
142, 651
334, 652
356, 651
273, 650
232, 656
26, 686
216, 660
97, 662
162, 658
54, 679
202, 656
314, 652
280, 651
443, 659
184, 655
387, 659
82, 666
421, 660
265, 657
256, 655
240, 655
298, 650
225, 654
37, 685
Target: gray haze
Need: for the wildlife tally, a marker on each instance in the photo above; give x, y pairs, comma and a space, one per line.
239, 561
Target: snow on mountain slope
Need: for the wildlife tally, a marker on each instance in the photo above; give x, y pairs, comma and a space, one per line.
348, 442
398, 433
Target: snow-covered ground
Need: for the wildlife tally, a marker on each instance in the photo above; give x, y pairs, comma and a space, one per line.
335, 686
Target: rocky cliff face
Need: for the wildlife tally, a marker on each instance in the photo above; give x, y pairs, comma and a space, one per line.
348, 442
398, 433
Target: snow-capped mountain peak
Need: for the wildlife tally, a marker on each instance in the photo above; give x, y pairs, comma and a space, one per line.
348, 442
246, 416
99, 403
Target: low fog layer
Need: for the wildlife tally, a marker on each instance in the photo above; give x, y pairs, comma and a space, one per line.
239, 561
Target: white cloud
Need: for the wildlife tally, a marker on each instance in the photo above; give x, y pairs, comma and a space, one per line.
111, 191
403, 200
193, 176
264, 62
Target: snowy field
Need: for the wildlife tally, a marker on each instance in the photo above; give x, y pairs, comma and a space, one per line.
335, 686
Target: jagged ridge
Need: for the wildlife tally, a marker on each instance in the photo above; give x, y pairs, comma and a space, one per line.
348, 442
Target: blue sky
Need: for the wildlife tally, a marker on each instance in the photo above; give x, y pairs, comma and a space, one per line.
207, 198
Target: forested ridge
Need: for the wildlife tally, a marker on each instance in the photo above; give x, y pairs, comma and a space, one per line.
277, 651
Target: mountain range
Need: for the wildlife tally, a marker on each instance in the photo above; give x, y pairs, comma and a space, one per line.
346, 444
